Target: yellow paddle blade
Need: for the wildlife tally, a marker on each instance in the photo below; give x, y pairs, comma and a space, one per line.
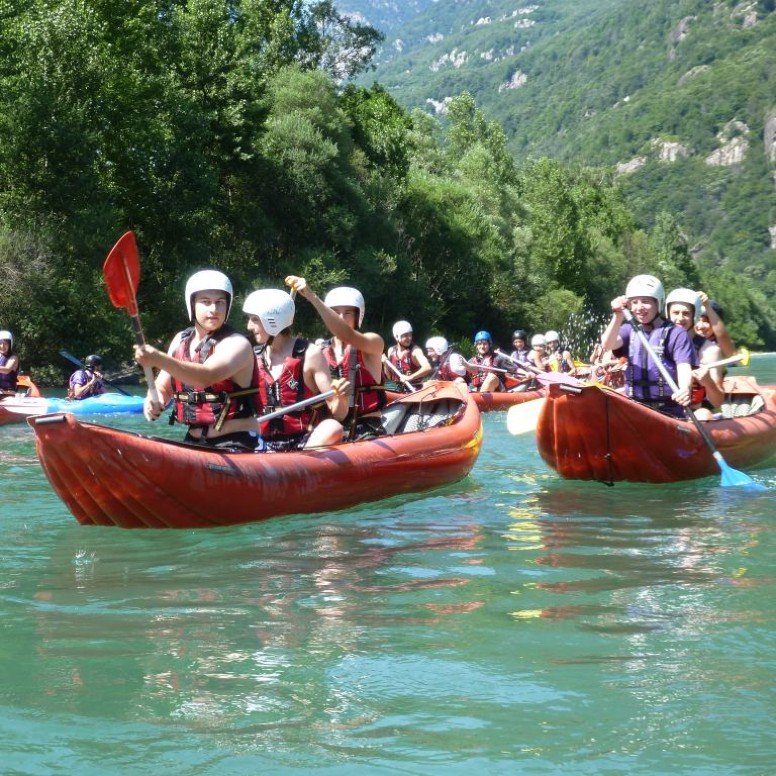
745, 356
522, 418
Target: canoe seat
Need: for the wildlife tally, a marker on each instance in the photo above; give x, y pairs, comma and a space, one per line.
741, 405
401, 418
742, 397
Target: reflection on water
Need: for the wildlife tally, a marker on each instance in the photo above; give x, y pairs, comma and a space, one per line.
622, 567
513, 622
209, 641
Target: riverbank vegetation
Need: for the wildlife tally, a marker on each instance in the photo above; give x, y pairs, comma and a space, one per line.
224, 135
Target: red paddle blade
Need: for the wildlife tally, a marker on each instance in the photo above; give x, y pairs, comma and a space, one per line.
121, 271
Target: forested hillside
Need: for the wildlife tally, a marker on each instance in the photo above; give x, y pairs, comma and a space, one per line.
227, 135
677, 98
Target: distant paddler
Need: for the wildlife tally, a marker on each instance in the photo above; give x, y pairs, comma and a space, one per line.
9, 364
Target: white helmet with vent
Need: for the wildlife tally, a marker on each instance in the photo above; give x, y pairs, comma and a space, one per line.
208, 280
646, 285
400, 328
685, 296
6, 335
438, 344
345, 296
274, 308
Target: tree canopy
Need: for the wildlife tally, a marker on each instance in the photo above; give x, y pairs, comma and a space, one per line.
223, 135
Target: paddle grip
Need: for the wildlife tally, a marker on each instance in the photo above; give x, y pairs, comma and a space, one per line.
147, 370
401, 377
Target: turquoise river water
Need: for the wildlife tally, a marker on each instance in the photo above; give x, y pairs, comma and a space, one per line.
511, 623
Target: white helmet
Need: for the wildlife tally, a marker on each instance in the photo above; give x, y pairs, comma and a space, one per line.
273, 307
208, 280
646, 285
538, 339
400, 328
685, 296
438, 344
6, 335
345, 296
552, 336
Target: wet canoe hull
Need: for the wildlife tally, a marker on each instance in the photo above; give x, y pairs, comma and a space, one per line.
110, 477
598, 434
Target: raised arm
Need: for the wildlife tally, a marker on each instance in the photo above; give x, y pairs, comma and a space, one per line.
366, 342
724, 340
610, 338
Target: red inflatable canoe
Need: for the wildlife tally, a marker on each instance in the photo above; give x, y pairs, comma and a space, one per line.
595, 433
503, 400
111, 477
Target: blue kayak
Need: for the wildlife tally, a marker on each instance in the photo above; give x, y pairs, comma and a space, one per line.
16, 409
105, 404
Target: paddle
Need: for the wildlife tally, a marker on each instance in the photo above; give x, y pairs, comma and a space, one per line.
407, 384
546, 378
742, 357
730, 476
73, 360
318, 399
522, 418
121, 271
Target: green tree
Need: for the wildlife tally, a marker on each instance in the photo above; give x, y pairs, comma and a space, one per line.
673, 262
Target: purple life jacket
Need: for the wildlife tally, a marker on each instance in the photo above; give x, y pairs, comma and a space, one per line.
8, 379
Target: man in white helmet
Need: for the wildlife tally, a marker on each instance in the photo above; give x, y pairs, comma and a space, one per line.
406, 357
9, 364
209, 370
351, 354
446, 363
645, 297
292, 369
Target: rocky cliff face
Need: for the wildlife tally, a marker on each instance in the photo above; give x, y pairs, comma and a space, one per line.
769, 137
385, 15
733, 145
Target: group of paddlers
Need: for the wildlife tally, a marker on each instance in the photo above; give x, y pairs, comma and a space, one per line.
223, 386
488, 370
685, 331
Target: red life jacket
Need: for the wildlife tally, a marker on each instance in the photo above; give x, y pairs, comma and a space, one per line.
478, 378
200, 408
365, 398
697, 394
443, 372
440, 369
405, 363
288, 389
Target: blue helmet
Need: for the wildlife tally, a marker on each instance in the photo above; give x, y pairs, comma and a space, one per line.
483, 335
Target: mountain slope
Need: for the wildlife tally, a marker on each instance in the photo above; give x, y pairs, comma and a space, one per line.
678, 97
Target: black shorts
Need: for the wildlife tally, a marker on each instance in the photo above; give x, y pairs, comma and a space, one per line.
286, 444
237, 442
365, 428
